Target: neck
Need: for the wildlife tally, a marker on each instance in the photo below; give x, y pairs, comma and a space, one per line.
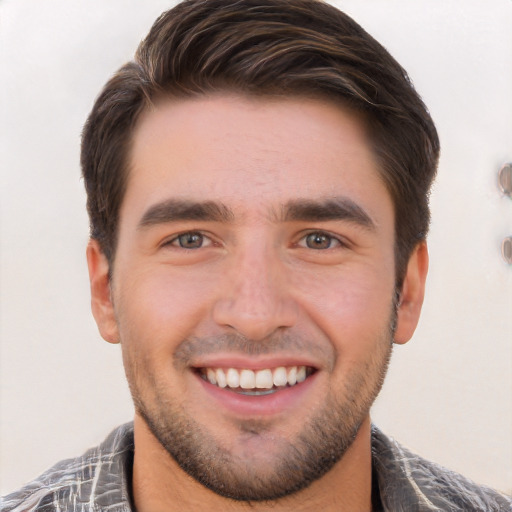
159, 484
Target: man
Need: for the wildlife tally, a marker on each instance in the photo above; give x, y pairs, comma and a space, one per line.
257, 186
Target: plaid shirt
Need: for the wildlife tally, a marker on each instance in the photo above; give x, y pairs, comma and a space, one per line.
100, 480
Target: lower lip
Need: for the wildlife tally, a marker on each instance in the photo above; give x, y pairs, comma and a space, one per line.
258, 405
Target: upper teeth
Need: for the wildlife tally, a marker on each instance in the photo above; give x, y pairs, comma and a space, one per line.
260, 379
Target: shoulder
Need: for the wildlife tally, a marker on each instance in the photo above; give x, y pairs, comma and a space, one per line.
409, 482
96, 480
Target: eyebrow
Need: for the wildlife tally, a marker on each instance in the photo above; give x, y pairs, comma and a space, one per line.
173, 210
337, 208
307, 210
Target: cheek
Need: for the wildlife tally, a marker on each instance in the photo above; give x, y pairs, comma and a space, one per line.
352, 308
162, 306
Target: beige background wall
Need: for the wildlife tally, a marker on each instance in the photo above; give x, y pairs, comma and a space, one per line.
449, 392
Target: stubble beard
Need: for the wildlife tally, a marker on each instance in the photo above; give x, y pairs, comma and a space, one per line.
321, 443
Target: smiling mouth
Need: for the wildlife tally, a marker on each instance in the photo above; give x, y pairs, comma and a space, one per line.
256, 382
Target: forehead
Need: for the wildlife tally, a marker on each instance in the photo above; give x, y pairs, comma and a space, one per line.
251, 153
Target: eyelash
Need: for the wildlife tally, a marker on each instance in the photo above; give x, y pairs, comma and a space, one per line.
177, 240
321, 234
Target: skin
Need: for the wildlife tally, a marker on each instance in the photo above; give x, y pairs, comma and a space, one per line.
257, 284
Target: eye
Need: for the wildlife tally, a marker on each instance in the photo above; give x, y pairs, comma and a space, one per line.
190, 240
319, 240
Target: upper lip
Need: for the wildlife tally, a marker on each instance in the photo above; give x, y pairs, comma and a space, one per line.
251, 363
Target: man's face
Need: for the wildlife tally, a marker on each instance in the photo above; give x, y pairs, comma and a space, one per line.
256, 246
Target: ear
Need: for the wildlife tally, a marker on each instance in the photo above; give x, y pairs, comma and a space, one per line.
101, 298
413, 291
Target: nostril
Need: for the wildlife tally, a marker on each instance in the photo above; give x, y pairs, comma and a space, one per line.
255, 321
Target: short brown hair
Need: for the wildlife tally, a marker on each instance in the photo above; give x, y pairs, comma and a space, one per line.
265, 47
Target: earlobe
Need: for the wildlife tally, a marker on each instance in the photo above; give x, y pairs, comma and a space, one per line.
101, 299
413, 291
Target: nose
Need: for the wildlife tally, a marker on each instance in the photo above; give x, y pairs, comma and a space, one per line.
256, 300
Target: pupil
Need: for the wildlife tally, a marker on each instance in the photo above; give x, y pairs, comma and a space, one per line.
318, 241
191, 240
